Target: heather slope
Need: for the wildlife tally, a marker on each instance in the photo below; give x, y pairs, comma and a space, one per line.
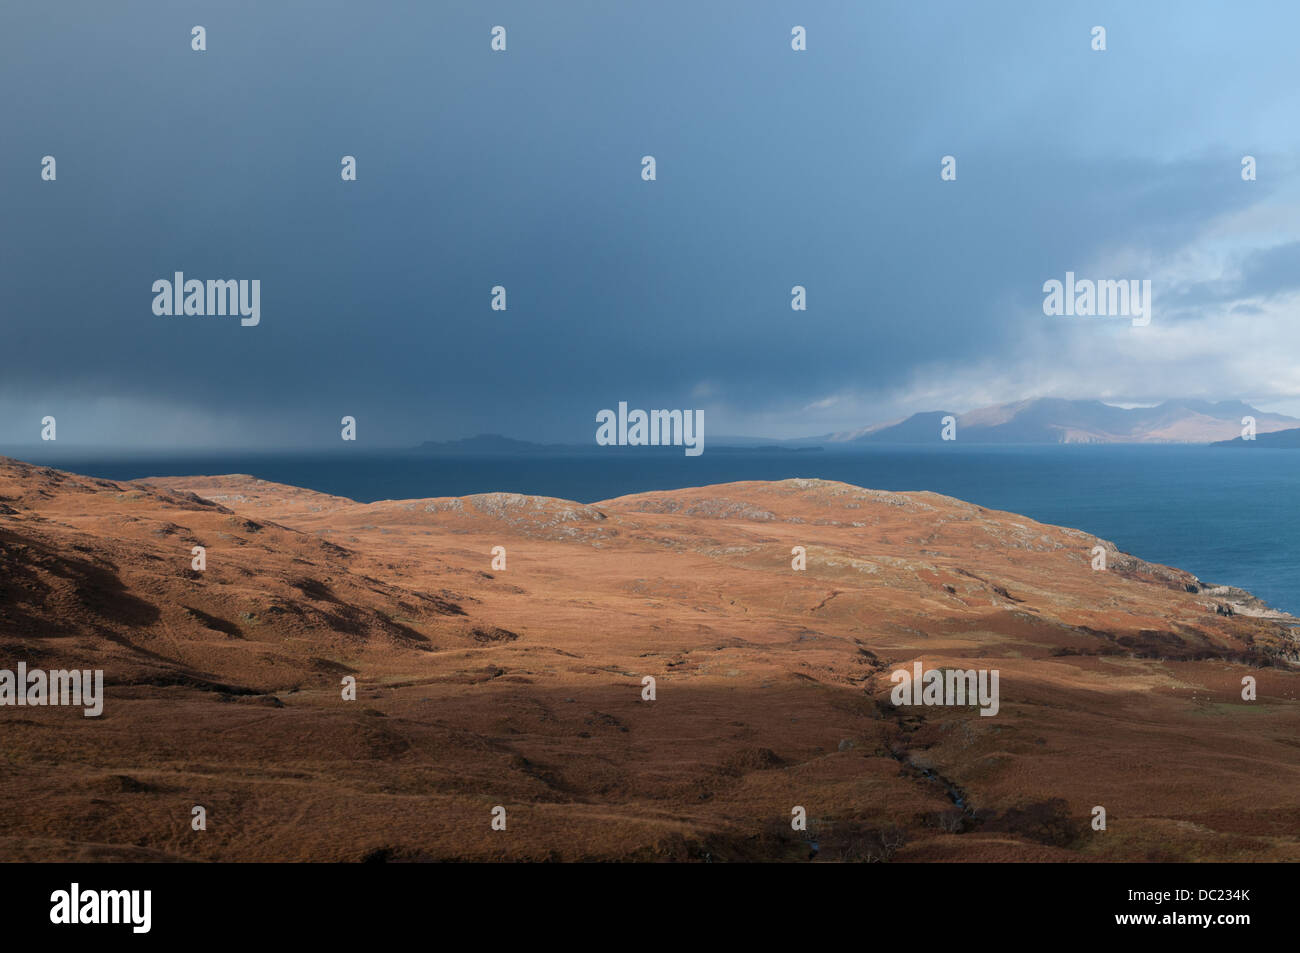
522, 687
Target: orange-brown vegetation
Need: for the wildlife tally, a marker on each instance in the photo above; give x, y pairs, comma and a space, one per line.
523, 687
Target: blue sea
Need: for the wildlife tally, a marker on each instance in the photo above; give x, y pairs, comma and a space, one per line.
1229, 515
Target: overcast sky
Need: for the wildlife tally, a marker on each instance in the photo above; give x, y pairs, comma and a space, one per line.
522, 168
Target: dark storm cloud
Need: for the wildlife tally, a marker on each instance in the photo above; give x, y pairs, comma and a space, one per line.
522, 169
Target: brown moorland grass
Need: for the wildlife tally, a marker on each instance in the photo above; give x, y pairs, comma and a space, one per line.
522, 688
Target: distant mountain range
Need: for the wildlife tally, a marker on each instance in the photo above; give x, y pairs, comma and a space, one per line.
1040, 420
1056, 420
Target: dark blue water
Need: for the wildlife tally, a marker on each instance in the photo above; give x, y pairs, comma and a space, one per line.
1228, 515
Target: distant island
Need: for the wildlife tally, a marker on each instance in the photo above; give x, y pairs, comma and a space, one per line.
491, 444
1277, 440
